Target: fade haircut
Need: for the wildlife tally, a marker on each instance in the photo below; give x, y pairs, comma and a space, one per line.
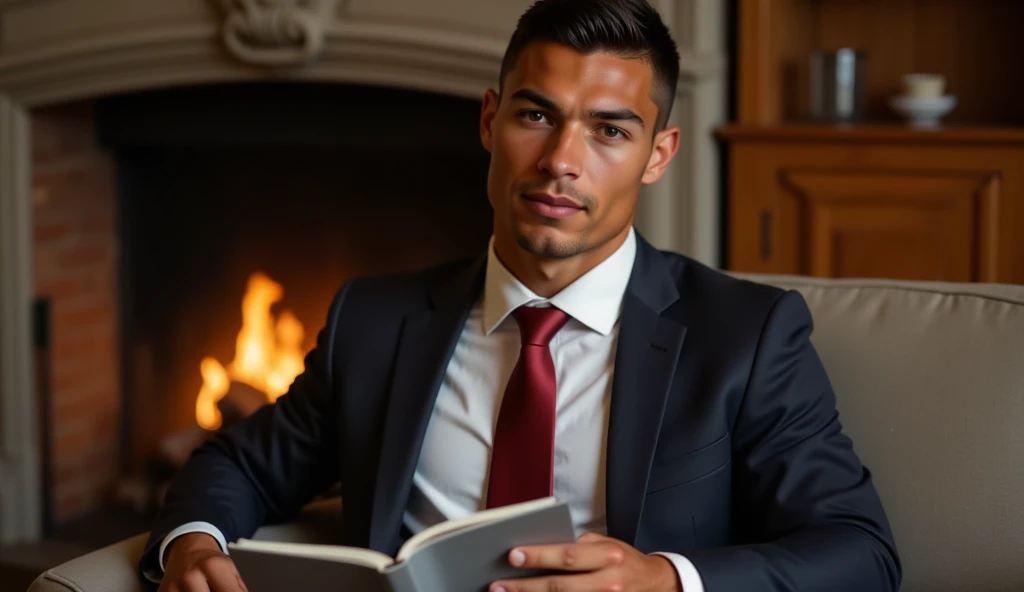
630, 29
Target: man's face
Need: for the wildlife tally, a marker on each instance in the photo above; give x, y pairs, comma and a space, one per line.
571, 143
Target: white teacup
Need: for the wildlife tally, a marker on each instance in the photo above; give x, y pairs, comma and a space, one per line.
924, 86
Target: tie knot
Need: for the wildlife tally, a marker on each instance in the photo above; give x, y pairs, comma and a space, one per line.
538, 325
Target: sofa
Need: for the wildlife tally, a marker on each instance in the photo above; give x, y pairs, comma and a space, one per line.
930, 385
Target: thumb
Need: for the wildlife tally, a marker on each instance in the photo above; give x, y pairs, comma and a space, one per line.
591, 537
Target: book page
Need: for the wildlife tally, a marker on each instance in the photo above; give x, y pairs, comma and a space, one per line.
364, 557
425, 537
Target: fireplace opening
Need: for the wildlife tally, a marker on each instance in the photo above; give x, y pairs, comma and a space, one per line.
226, 190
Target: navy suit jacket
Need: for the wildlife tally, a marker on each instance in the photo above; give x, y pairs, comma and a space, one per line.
724, 443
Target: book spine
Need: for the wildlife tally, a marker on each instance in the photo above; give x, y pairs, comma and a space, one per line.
400, 578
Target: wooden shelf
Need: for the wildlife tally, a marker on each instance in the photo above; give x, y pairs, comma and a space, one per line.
872, 133
971, 42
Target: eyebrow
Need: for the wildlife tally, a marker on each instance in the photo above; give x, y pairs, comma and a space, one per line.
540, 100
618, 115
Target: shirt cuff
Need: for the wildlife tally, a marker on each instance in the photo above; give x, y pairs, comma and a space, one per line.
189, 528
689, 578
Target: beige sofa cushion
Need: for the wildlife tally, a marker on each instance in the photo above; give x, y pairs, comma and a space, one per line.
930, 385
115, 568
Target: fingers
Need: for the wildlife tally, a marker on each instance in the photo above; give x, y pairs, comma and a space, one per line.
193, 581
563, 583
213, 573
599, 553
224, 577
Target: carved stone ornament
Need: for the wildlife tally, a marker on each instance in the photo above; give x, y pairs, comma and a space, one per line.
277, 32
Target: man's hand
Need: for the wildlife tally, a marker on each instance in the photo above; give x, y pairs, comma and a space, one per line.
195, 563
595, 563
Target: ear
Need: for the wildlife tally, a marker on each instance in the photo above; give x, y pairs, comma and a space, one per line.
666, 144
487, 113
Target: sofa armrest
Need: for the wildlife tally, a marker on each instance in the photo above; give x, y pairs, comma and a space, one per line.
115, 568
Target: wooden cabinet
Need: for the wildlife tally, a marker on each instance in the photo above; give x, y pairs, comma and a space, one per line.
877, 202
877, 198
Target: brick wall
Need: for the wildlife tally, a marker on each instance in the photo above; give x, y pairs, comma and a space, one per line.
76, 255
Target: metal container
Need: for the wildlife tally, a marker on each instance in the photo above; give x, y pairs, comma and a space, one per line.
837, 85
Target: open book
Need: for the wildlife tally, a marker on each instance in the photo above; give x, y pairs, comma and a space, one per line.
459, 555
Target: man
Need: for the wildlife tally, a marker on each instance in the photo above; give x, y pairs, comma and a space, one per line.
682, 414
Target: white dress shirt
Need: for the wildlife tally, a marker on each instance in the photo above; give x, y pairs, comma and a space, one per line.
452, 473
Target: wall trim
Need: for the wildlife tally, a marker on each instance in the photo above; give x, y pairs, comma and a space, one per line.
385, 54
20, 510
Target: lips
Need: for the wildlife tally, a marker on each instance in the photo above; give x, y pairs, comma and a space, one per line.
553, 200
552, 206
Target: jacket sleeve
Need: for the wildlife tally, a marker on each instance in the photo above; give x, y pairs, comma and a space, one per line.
804, 506
266, 467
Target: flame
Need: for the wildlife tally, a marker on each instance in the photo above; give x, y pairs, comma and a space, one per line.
268, 352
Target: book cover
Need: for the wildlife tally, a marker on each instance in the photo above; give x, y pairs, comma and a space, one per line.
466, 554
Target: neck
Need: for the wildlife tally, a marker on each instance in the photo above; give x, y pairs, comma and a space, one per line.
546, 277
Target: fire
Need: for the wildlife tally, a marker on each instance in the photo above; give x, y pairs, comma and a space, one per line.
268, 352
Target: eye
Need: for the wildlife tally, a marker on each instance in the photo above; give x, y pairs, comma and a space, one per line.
612, 133
534, 116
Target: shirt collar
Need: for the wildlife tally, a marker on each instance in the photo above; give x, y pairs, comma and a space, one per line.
595, 299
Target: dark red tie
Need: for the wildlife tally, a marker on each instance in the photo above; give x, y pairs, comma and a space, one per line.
524, 439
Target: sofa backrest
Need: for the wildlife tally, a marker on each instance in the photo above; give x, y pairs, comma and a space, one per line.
929, 379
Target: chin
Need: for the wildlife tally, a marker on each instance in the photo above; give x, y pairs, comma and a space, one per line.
549, 242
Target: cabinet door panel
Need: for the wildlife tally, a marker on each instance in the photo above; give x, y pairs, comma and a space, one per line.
905, 225
945, 210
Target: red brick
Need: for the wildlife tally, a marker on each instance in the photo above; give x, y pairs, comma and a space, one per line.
76, 258
64, 475
104, 333
104, 454
102, 282
63, 179
93, 253
51, 233
82, 185
103, 358
88, 468
70, 349
85, 404
69, 438
105, 427
80, 375
98, 312
77, 287
76, 438
63, 130
44, 262
101, 385
63, 289
70, 465
97, 222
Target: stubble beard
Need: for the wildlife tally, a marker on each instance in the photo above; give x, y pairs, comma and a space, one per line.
547, 247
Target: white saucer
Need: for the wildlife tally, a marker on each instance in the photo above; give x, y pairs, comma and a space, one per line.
923, 112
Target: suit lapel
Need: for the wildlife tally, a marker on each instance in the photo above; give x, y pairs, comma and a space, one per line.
427, 342
648, 351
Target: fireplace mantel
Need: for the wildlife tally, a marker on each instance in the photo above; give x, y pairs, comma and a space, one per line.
59, 51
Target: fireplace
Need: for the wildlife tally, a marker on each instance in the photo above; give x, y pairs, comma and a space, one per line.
200, 196
92, 182
307, 185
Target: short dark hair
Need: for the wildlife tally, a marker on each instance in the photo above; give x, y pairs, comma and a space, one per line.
629, 28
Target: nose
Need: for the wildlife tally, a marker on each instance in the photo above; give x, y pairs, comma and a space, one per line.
563, 155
